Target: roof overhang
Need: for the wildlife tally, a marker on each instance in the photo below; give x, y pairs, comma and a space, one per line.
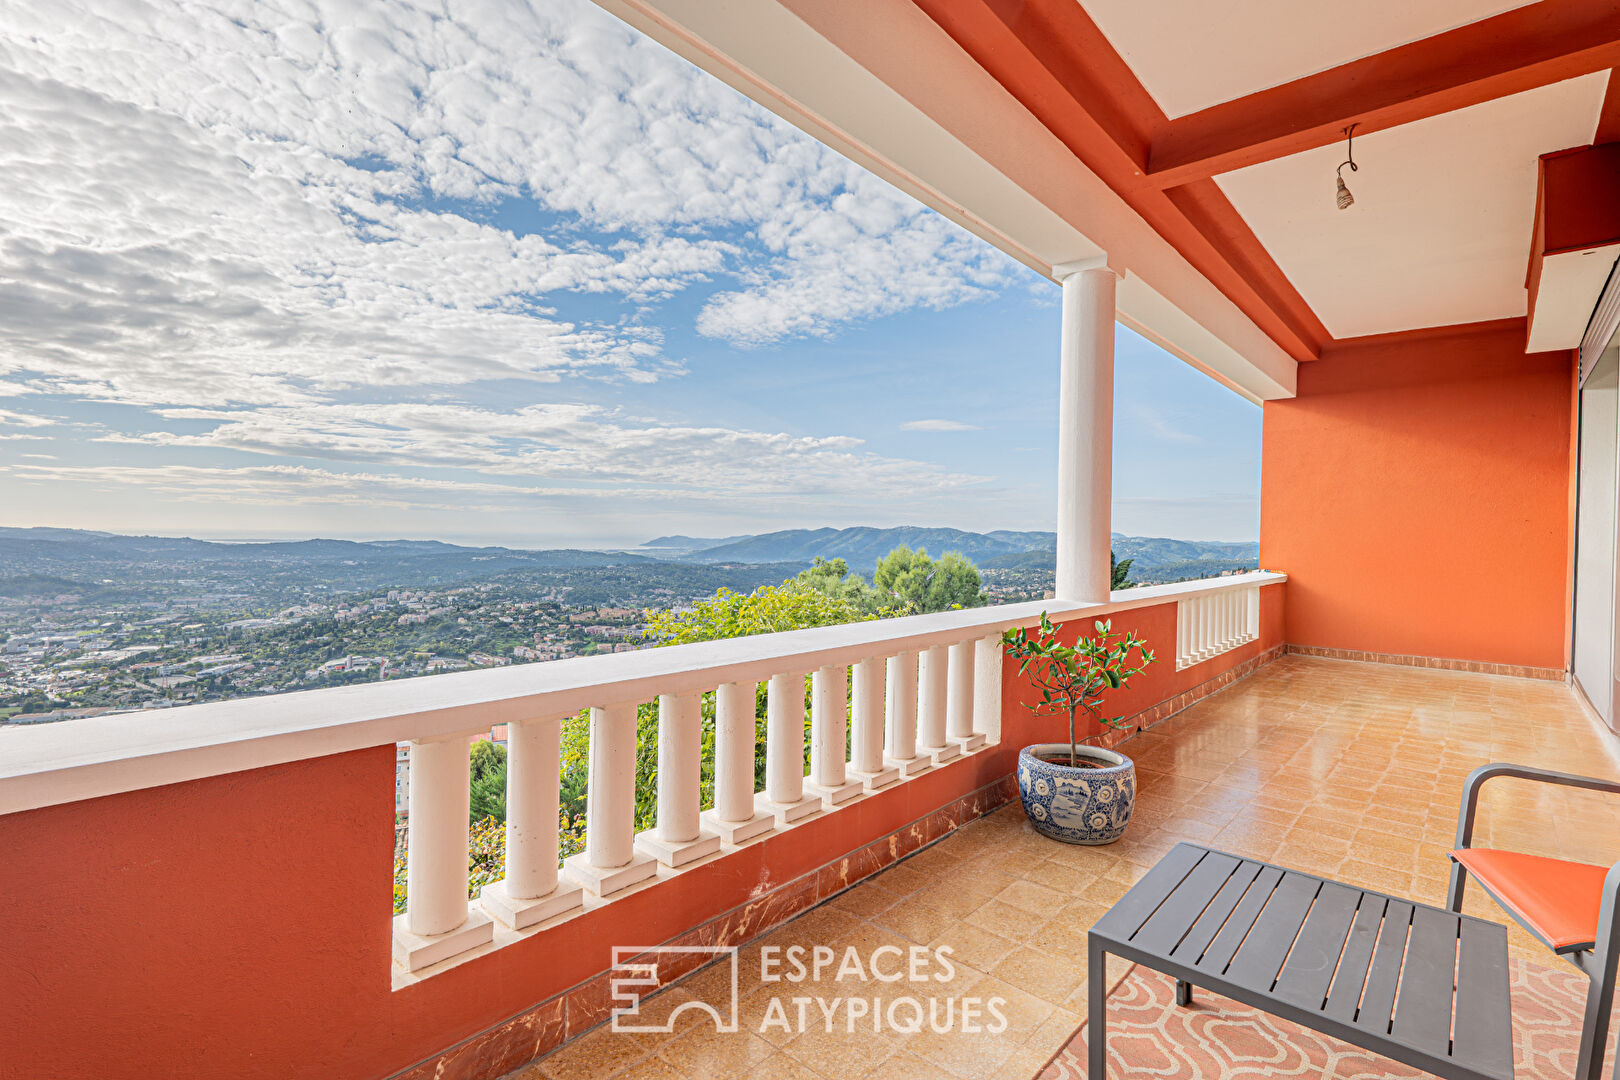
1576, 243
884, 85
1196, 145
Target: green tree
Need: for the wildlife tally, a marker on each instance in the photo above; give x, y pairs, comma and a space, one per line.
831, 577
769, 609
1077, 678
1119, 572
487, 778
912, 583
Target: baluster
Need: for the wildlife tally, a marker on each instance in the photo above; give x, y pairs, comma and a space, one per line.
533, 889
959, 698
1234, 621
987, 660
932, 688
1223, 639
438, 921
734, 816
829, 724
866, 744
679, 838
1253, 606
610, 861
1206, 636
900, 729
1183, 619
784, 751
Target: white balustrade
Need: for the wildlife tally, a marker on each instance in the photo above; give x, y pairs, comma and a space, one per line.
959, 697
784, 751
900, 717
679, 837
734, 816
533, 889
989, 654
866, 738
903, 711
610, 861
829, 729
932, 686
1215, 621
438, 921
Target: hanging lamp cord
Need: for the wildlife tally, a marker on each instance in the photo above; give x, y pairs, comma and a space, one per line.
1349, 150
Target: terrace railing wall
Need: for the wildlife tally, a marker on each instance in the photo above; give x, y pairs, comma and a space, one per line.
250, 828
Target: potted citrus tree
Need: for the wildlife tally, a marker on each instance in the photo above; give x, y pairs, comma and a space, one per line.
1076, 793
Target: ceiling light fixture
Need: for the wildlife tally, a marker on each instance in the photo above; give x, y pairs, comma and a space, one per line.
1344, 198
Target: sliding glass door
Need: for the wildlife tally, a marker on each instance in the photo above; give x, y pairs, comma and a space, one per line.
1597, 485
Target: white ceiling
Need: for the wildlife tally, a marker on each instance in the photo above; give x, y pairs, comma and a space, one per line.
1191, 54
1440, 230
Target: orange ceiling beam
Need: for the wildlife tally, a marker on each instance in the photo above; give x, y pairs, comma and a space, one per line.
1051, 57
1518, 50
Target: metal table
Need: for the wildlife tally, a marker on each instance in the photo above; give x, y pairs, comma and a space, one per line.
1419, 984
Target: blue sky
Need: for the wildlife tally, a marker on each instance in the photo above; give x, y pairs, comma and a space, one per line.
276, 270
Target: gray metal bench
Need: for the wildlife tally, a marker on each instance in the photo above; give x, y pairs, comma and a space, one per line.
1419, 984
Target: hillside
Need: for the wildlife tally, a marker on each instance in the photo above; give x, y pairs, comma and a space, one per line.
863, 546
1001, 550
44, 561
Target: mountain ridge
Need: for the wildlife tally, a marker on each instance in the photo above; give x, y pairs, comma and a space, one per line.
862, 546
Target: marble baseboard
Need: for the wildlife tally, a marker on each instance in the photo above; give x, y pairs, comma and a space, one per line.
544, 1027
1478, 667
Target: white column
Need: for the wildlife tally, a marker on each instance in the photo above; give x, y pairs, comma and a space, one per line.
959, 698
866, 740
610, 861
1085, 434
533, 889
829, 730
734, 817
932, 685
987, 659
900, 726
678, 839
438, 922
784, 751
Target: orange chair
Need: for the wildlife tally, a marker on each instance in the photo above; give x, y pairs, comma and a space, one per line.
1568, 906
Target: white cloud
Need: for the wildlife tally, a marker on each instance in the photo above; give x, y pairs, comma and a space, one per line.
267, 222
573, 443
244, 201
1161, 425
937, 425
17, 419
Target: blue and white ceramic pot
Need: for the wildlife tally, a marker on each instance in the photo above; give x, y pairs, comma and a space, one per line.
1077, 805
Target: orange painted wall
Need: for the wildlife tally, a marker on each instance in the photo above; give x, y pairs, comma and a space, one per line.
1416, 492
1160, 682
239, 925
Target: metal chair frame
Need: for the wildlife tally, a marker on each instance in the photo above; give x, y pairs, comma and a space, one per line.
1597, 961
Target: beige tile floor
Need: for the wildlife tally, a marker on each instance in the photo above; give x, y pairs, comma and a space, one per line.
1347, 770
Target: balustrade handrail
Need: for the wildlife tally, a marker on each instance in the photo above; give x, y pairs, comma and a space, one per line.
94, 756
